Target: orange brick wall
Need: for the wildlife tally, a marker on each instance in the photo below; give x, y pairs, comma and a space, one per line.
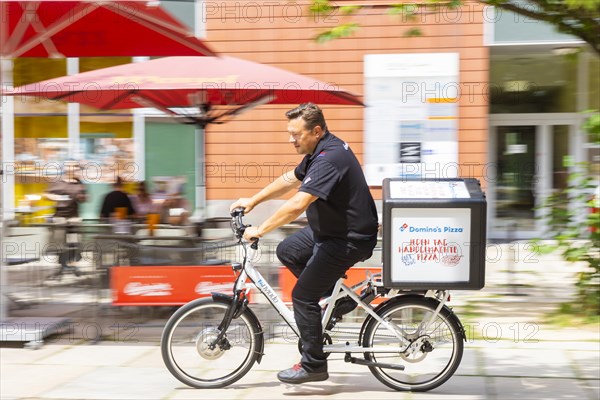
246, 153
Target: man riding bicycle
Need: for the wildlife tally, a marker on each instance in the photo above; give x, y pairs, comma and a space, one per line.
342, 227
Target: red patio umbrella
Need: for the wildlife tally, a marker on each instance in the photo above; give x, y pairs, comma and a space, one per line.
202, 83
84, 28
196, 90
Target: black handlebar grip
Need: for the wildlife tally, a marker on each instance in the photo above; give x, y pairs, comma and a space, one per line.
237, 211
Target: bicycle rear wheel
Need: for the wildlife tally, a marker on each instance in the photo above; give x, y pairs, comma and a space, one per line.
188, 338
433, 354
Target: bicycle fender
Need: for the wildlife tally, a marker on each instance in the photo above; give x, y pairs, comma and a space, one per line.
461, 328
240, 306
260, 339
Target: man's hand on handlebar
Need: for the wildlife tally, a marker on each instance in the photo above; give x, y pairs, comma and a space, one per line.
246, 203
249, 233
252, 233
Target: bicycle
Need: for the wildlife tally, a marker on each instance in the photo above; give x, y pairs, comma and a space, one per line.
411, 341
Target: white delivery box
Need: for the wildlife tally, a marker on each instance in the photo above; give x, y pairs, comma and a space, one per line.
434, 233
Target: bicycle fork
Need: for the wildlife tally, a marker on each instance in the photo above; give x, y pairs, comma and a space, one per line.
236, 307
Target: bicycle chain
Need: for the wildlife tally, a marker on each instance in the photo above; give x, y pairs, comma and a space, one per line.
332, 333
355, 333
342, 332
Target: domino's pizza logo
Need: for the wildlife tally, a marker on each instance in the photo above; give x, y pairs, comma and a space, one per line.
403, 227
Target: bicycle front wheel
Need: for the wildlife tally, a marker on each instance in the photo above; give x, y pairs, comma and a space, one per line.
190, 349
430, 355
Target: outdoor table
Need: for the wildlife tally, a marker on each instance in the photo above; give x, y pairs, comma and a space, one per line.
25, 213
161, 270
141, 250
190, 241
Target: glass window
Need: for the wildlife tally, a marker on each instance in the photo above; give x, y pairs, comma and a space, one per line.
516, 197
106, 136
31, 70
184, 11
41, 144
514, 28
533, 83
93, 63
41, 127
107, 148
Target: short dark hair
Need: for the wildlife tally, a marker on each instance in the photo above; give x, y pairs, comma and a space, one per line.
310, 113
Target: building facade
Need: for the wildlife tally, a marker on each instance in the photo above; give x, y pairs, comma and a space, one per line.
477, 93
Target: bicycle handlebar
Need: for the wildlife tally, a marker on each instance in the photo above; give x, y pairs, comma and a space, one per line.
237, 223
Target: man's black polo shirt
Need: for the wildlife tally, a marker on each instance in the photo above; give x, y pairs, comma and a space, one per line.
345, 208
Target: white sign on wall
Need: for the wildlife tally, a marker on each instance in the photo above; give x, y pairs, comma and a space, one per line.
411, 119
430, 244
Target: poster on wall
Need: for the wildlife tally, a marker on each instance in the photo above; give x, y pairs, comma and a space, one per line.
411, 118
429, 244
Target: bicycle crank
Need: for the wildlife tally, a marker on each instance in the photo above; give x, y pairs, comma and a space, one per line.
369, 363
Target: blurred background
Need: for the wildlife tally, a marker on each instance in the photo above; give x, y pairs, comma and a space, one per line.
461, 91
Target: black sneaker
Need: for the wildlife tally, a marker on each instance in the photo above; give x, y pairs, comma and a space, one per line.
297, 374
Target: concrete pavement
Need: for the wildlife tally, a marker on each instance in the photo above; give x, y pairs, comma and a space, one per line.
564, 367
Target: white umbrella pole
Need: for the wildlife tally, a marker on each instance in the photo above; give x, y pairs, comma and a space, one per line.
200, 171
7, 194
31, 330
3, 274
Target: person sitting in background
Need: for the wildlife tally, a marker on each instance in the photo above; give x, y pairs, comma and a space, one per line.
142, 202
68, 192
116, 199
175, 209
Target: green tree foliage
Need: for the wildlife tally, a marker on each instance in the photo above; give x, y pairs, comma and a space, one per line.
576, 232
592, 126
580, 18
573, 220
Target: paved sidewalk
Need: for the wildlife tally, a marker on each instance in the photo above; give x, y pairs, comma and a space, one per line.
565, 368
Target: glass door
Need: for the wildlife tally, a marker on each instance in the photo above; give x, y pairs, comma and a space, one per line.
531, 157
562, 159
517, 174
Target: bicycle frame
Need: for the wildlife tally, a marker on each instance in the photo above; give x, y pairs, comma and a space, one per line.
248, 271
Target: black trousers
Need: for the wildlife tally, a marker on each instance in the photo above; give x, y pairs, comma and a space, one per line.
317, 265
